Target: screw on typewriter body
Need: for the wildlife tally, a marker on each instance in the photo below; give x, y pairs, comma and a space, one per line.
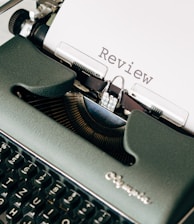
111, 101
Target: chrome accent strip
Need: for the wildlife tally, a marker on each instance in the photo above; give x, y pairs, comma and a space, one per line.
186, 216
81, 60
167, 109
8, 5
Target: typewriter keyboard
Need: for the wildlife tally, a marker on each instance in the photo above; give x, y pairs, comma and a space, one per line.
31, 191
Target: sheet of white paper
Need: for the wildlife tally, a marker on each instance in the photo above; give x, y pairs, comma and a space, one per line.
150, 43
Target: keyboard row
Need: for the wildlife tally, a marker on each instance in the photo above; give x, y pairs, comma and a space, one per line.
32, 191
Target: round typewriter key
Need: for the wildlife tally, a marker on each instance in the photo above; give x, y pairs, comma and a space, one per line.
70, 200
102, 217
86, 209
13, 215
27, 220
65, 220
55, 191
9, 182
2, 173
42, 179
15, 160
50, 213
22, 194
3, 204
36, 204
28, 170
5, 149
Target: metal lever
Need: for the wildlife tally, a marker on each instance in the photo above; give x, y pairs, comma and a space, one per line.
8, 5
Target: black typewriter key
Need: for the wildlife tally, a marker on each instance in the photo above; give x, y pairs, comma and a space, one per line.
55, 191
22, 194
41, 221
1, 139
102, 217
5, 149
27, 220
9, 182
35, 205
13, 214
28, 170
65, 220
2, 173
3, 204
86, 209
70, 200
42, 179
50, 214
15, 160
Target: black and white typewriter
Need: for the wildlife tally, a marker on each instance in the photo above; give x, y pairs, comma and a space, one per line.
96, 112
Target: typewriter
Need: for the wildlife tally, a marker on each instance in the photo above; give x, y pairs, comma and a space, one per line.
76, 146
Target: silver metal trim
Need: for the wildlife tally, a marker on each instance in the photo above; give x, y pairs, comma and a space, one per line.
75, 57
186, 216
8, 5
166, 108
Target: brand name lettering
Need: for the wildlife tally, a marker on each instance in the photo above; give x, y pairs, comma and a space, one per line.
131, 191
128, 68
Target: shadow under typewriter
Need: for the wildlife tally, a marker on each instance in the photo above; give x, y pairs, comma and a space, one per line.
85, 118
